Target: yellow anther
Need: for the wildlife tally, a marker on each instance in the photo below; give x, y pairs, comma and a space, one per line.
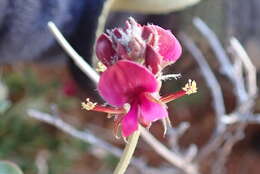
88, 105
101, 67
190, 87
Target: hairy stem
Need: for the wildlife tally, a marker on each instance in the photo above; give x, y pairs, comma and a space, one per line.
128, 153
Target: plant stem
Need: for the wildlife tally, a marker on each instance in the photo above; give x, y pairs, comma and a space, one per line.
128, 153
101, 25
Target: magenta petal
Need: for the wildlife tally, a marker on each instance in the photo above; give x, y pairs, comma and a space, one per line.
130, 121
151, 111
104, 50
169, 46
125, 80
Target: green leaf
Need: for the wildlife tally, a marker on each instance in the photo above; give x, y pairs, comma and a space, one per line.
7, 167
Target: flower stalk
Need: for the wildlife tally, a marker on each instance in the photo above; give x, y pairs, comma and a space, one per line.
128, 153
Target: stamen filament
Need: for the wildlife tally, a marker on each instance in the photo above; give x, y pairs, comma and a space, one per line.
152, 99
109, 110
188, 89
171, 97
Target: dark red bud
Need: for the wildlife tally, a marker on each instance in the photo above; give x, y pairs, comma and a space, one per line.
104, 50
117, 33
152, 59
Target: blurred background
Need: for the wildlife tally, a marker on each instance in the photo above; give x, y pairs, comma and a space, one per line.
36, 73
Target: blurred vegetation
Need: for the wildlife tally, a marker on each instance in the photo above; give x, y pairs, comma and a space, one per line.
22, 138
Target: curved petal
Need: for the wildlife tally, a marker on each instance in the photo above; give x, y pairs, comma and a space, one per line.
150, 110
123, 81
169, 46
130, 121
104, 50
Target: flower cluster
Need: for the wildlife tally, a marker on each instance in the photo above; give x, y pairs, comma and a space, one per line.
134, 58
149, 45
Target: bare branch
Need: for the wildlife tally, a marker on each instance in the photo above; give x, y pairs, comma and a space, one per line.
224, 152
207, 73
225, 64
174, 158
85, 136
237, 49
216, 92
79, 61
173, 134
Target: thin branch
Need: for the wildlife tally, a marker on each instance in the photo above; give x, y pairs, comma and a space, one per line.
238, 50
225, 64
85, 136
174, 158
254, 118
79, 61
216, 92
207, 73
224, 152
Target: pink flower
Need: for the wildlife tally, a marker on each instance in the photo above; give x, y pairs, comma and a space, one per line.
149, 45
127, 83
134, 57
118, 87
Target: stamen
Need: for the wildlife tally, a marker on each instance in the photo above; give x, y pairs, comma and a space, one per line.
88, 105
116, 126
101, 67
190, 87
106, 109
171, 97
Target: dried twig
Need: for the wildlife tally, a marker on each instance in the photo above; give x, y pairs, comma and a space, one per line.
216, 92
174, 158
237, 120
239, 52
208, 74
224, 152
79, 61
225, 64
85, 136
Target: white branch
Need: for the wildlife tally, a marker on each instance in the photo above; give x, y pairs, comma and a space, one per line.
238, 50
85, 136
170, 156
207, 73
225, 64
79, 61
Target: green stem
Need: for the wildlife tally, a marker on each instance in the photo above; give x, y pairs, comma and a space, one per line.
128, 153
